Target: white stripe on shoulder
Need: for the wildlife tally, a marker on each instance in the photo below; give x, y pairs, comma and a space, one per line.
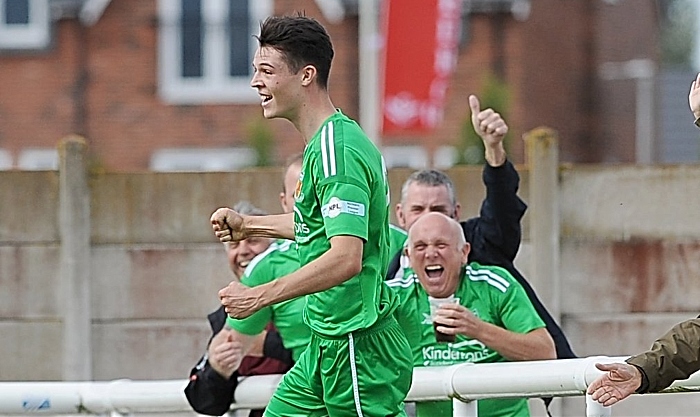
402, 282
489, 277
398, 229
259, 257
331, 148
284, 245
324, 152
328, 150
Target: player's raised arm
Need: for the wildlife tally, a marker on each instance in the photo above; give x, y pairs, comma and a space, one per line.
231, 226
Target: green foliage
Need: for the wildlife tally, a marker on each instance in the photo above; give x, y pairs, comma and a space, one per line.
494, 94
261, 138
678, 32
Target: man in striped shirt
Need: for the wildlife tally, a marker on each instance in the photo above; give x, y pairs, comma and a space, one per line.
358, 362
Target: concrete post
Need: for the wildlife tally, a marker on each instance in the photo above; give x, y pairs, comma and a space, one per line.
542, 156
74, 229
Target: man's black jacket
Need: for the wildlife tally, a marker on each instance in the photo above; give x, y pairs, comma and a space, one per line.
210, 393
495, 238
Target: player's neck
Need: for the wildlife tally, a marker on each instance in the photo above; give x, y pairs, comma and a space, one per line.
316, 109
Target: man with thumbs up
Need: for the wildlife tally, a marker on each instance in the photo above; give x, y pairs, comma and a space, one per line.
494, 235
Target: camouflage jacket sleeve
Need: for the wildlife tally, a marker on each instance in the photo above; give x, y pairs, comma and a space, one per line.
674, 356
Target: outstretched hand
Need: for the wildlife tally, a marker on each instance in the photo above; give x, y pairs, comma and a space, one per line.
619, 381
694, 97
227, 225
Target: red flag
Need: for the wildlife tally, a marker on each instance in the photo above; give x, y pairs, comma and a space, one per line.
420, 54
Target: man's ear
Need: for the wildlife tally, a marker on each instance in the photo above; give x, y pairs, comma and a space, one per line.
399, 216
458, 211
308, 75
405, 251
465, 253
282, 202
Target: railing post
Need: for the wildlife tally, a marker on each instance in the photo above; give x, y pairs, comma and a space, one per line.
542, 156
464, 409
74, 229
595, 409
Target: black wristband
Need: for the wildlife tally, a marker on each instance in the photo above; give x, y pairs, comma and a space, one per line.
643, 387
697, 122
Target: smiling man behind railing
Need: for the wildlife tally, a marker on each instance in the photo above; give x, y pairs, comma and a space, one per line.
487, 318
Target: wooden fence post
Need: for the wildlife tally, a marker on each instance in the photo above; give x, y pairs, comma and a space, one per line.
74, 229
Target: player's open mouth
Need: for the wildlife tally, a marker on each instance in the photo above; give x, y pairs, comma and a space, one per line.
434, 271
244, 264
265, 98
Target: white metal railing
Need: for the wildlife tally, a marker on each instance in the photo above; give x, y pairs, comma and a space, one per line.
464, 383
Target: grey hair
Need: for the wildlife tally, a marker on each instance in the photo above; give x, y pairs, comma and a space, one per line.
431, 178
247, 208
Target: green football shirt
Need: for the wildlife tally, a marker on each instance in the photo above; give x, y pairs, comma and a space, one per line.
397, 240
493, 295
343, 190
278, 260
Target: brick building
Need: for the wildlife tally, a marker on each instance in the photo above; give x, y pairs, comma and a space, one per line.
114, 72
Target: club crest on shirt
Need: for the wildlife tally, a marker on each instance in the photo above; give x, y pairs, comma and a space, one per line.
298, 195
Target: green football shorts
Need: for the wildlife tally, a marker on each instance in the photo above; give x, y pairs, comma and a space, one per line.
366, 373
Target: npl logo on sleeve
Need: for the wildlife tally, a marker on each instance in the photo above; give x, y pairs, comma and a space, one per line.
336, 206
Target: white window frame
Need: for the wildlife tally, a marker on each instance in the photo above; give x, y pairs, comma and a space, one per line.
38, 159
416, 156
5, 160
215, 86
445, 157
34, 35
405, 156
202, 159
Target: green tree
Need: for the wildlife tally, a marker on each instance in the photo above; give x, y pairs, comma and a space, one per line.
261, 138
494, 94
678, 31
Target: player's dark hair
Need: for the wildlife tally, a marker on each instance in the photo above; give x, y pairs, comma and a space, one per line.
302, 41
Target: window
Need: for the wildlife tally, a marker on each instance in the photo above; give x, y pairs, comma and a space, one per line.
416, 157
5, 160
405, 156
38, 159
202, 159
24, 24
205, 49
445, 157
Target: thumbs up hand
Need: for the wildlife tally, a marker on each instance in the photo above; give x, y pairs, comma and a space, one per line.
491, 127
488, 124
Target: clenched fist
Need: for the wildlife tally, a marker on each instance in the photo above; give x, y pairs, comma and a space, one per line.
228, 225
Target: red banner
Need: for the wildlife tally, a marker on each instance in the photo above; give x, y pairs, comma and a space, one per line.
420, 54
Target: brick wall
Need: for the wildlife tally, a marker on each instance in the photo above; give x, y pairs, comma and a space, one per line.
549, 62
